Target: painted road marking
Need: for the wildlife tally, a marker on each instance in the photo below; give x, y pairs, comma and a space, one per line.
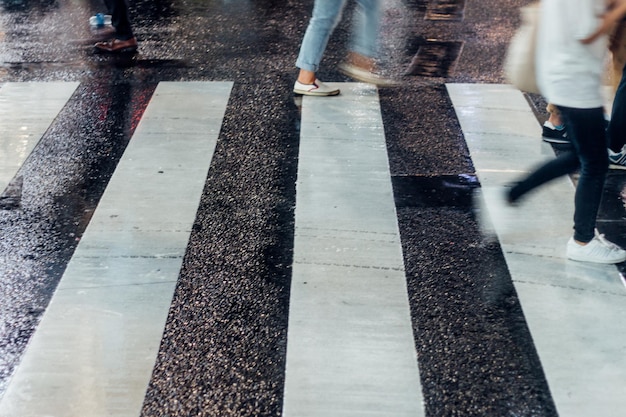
350, 349
573, 309
27, 109
96, 345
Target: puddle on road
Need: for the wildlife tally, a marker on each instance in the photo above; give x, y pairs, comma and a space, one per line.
435, 191
435, 58
445, 10
438, 57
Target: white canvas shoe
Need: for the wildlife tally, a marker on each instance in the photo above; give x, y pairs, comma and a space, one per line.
318, 88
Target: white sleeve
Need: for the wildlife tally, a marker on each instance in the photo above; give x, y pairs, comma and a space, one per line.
584, 16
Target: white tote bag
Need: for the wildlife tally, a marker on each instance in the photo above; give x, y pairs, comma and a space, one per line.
519, 62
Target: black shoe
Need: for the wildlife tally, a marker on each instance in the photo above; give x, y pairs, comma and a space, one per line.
617, 160
551, 134
510, 194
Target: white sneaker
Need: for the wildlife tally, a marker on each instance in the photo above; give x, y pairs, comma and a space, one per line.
318, 88
366, 76
599, 250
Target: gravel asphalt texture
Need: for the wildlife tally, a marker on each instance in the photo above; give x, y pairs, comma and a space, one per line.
223, 348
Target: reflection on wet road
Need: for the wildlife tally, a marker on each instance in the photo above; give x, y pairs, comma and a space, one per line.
223, 347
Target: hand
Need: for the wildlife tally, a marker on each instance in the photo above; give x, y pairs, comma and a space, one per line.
615, 12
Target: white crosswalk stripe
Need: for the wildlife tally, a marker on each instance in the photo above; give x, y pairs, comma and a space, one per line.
350, 349
26, 111
350, 344
574, 310
94, 350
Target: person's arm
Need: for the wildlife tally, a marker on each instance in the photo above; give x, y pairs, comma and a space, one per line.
617, 10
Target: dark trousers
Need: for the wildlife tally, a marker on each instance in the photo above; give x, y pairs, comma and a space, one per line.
120, 19
617, 126
585, 128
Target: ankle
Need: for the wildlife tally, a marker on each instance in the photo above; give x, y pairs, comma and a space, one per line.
306, 77
361, 61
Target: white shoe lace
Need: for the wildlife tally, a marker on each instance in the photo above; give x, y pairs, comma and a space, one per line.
612, 246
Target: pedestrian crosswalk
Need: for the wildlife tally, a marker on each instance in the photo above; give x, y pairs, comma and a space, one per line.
350, 347
26, 111
94, 350
572, 309
348, 280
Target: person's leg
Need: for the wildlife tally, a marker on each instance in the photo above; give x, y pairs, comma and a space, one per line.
617, 126
124, 40
365, 31
120, 19
554, 116
360, 63
553, 130
589, 148
565, 163
586, 129
326, 16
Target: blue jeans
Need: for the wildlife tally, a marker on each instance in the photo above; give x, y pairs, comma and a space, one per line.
585, 128
326, 16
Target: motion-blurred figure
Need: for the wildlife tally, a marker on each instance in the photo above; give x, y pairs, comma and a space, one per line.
124, 40
363, 46
571, 80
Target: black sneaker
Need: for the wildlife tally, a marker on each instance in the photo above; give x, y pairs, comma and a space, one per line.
551, 134
617, 160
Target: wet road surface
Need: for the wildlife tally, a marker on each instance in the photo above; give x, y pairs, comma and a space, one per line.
224, 344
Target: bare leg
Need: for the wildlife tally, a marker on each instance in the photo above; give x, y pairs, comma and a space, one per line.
306, 77
361, 61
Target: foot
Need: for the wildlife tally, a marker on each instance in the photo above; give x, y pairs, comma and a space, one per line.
318, 88
366, 75
511, 194
117, 46
554, 134
598, 250
617, 160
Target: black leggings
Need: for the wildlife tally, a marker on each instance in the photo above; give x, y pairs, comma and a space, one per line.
120, 19
585, 128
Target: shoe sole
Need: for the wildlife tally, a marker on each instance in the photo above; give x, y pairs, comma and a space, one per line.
363, 76
557, 141
596, 261
127, 50
323, 94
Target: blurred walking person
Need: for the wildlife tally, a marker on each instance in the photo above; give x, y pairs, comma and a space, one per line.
617, 125
362, 49
124, 39
571, 80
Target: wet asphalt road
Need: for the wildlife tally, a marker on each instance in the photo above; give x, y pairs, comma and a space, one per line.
223, 350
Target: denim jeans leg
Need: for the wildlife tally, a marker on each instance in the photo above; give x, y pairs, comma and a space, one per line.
585, 128
365, 28
326, 16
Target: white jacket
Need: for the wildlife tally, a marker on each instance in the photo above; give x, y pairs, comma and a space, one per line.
569, 73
